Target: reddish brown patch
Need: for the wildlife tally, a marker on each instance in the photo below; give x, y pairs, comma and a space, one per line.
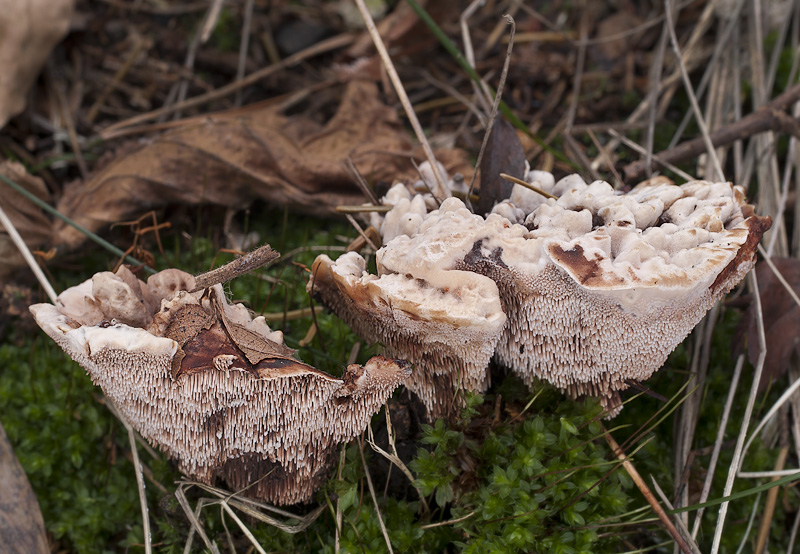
756, 227
587, 272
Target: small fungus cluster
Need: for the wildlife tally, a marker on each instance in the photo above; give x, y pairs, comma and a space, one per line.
214, 388
588, 290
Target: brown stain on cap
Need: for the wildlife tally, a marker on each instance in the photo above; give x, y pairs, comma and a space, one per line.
587, 272
756, 227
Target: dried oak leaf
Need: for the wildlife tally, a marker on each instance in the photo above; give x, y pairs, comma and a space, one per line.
233, 160
31, 223
781, 319
29, 29
213, 387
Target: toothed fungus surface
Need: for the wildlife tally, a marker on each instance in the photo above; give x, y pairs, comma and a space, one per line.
213, 387
592, 289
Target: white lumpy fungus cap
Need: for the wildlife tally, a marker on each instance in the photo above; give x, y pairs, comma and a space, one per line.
266, 424
597, 287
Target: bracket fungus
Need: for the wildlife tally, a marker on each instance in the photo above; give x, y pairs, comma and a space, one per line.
588, 290
214, 388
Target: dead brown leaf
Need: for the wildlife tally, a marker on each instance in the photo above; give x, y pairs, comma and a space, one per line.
30, 221
29, 29
781, 319
21, 524
231, 161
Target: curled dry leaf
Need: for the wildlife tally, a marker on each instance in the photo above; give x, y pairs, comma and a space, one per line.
21, 524
781, 320
29, 29
212, 386
233, 160
31, 223
587, 291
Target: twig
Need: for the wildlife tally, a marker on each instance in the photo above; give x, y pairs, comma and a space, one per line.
681, 526
770, 117
769, 507
401, 94
527, 185
250, 261
26, 254
364, 209
648, 495
361, 182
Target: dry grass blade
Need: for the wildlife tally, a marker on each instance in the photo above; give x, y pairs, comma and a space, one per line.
333, 43
26, 253
375, 499
678, 521
194, 519
737, 453
668, 5
723, 425
401, 93
394, 457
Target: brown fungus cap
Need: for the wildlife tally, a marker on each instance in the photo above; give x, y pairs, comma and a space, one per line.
598, 287
208, 385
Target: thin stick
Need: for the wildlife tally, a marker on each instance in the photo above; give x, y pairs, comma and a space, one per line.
26, 253
748, 412
250, 261
648, 495
481, 89
495, 105
361, 182
375, 499
361, 232
769, 507
363, 209
527, 185
401, 94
